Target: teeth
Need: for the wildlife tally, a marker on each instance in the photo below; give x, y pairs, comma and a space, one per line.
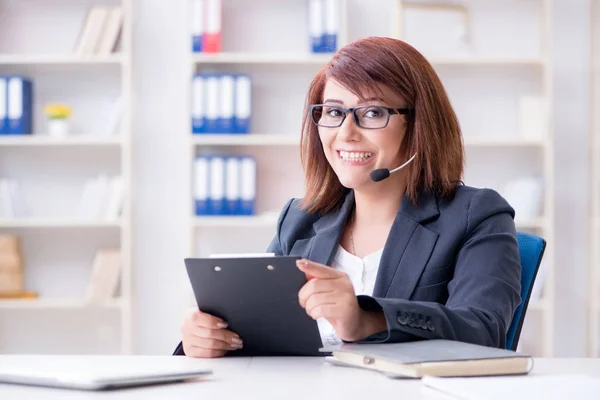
355, 156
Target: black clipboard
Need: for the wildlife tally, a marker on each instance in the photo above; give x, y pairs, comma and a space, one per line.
258, 297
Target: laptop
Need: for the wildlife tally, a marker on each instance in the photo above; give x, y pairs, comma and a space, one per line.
98, 372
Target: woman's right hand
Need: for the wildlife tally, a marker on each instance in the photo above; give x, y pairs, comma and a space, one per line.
205, 336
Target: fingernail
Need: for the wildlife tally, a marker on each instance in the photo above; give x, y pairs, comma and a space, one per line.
236, 340
236, 346
221, 325
301, 263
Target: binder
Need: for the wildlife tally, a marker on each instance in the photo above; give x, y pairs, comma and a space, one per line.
201, 177
19, 106
226, 104
198, 104
248, 187
216, 191
212, 35
243, 103
197, 25
316, 25
331, 26
211, 103
232, 186
3, 105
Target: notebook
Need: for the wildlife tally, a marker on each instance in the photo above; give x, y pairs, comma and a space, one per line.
547, 387
435, 357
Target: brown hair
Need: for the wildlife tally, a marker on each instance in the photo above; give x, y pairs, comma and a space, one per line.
432, 131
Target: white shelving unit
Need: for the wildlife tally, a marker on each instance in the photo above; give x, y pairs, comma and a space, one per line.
58, 250
484, 87
594, 259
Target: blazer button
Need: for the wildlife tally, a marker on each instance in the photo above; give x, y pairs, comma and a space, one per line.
430, 326
401, 319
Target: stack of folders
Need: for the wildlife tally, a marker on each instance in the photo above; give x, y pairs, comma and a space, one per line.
206, 26
16, 98
224, 185
323, 25
221, 103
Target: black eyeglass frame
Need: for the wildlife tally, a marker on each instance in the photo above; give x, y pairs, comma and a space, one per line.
391, 111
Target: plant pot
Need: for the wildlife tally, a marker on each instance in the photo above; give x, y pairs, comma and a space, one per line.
58, 127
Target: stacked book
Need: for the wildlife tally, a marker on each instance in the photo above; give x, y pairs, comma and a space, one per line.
101, 30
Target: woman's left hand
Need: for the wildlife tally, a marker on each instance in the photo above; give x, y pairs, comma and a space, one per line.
329, 294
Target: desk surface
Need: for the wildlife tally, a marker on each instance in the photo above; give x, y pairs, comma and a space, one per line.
281, 378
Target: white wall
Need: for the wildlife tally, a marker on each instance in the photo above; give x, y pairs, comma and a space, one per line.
161, 172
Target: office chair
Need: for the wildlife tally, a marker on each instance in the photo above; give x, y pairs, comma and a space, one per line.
531, 249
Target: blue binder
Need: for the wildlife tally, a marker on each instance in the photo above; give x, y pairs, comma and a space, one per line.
211, 101
331, 13
197, 25
233, 185
248, 185
201, 179
3, 105
243, 103
316, 9
198, 104
20, 98
225, 121
216, 189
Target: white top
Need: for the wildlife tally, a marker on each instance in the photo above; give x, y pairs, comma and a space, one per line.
362, 273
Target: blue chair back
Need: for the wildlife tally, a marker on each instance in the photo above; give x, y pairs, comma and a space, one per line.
531, 250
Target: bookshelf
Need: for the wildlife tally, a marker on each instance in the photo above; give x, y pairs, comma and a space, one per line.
505, 63
594, 226
59, 248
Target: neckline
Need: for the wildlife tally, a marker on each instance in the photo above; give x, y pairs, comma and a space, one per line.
346, 253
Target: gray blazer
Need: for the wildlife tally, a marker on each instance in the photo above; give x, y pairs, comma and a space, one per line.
450, 268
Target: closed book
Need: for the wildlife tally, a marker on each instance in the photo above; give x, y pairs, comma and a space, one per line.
436, 357
19, 106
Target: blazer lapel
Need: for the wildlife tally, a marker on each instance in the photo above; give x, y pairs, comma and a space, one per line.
407, 249
328, 231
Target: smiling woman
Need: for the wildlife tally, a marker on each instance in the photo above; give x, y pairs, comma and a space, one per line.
414, 256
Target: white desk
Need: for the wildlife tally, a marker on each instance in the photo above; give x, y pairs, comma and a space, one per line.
280, 378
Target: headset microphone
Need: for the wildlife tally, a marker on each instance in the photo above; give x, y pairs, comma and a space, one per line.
383, 173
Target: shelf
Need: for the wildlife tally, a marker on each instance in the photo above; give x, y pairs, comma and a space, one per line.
262, 58
322, 59
253, 139
538, 223
488, 61
235, 221
49, 303
56, 223
45, 140
503, 142
58, 59
280, 139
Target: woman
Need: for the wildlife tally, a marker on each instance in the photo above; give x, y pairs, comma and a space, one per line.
413, 256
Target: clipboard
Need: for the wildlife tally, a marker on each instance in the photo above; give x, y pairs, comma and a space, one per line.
258, 297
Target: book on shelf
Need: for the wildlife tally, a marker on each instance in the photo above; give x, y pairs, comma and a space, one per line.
102, 198
324, 25
435, 357
206, 25
11, 266
221, 103
224, 185
16, 105
101, 30
105, 276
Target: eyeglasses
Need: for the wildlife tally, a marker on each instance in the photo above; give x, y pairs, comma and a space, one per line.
367, 117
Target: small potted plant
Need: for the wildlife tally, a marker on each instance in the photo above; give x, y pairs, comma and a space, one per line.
58, 119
